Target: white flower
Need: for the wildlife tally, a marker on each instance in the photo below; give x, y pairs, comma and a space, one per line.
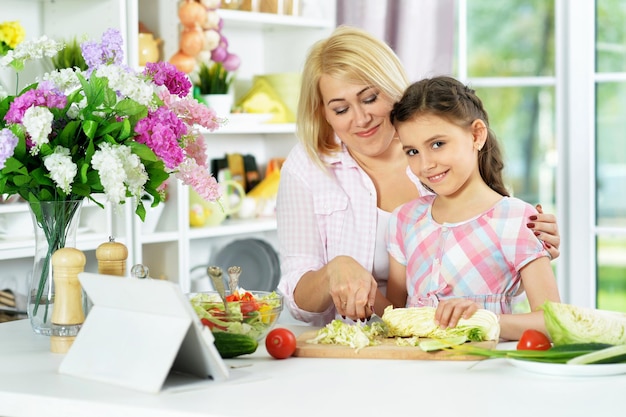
28, 50
127, 84
119, 168
65, 80
74, 110
38, 124
136, 175
62, 169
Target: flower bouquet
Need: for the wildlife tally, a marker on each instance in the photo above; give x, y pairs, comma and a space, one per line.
107, 130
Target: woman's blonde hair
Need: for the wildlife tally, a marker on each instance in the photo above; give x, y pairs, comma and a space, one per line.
351, 55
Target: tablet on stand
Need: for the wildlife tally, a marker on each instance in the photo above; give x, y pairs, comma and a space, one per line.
138, 332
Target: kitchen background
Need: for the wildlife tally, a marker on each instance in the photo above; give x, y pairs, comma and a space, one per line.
552, 73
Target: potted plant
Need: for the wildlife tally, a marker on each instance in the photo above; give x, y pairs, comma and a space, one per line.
212, 85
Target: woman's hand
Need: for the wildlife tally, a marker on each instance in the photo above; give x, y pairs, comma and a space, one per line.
546, 229
451, 310
352, 288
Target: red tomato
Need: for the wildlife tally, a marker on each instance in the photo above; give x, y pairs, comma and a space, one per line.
248, 307
280, 343
211, 325
533, 340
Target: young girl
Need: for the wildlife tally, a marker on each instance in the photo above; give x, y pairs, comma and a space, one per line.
467, 246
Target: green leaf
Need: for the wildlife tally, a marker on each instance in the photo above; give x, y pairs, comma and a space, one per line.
89, 128
143, 151
83, 172
140, 210
21, 180
13, 166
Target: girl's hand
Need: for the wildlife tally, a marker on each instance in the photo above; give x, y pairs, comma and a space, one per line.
352, 288
546, 229
451, 310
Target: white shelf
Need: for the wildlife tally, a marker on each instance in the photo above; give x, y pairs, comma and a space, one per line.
235, 19
24, 246
261, 128
233, 227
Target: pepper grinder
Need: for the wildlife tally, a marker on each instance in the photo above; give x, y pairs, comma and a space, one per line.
67, 314
112, 257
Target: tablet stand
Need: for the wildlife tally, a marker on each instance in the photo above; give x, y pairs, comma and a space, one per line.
137, 332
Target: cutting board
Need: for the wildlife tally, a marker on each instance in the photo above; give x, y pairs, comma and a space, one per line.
386, 350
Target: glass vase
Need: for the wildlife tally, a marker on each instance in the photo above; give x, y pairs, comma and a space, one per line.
55, 224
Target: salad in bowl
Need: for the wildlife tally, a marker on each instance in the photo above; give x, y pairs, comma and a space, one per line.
251, 313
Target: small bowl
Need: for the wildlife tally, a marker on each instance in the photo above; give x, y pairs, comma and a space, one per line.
254, 317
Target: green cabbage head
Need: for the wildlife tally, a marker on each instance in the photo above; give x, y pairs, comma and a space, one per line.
567, 323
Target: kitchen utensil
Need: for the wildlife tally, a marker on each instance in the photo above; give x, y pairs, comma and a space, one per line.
233, 278
373, 318
215, 273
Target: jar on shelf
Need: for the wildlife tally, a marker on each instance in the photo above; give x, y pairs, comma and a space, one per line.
148, 48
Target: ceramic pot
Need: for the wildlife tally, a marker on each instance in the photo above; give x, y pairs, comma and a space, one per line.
214, 213
221, 103
148, 48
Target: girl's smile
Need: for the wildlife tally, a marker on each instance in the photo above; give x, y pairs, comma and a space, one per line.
442, 154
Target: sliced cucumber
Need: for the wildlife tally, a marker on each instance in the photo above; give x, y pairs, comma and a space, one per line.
613, 354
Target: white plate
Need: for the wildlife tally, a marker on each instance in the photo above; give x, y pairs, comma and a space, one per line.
562, 369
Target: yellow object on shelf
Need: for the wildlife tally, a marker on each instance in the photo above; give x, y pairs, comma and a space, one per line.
268, 188
262, 98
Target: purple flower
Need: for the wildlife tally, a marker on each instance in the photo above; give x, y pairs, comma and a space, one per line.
165, 73
161, 130
8, 142
108, 52
44, 97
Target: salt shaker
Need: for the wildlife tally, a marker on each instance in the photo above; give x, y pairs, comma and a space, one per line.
112, 257
233, 278
67, 314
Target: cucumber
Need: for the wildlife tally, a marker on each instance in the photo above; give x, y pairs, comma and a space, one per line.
613, 354
231, 345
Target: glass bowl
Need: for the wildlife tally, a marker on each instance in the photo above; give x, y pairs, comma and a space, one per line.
249, 312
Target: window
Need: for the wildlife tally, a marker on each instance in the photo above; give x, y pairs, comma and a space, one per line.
561, 122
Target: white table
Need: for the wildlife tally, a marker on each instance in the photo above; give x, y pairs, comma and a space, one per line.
264, 387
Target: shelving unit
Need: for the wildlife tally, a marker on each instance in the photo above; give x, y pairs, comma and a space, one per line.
266, 43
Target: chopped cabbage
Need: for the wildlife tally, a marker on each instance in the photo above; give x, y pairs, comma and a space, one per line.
354, 335
568, 324
420, 322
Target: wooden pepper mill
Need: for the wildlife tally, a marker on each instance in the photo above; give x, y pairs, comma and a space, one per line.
68, 312
112, 257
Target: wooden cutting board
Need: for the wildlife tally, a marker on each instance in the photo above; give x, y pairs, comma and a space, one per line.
386, 350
